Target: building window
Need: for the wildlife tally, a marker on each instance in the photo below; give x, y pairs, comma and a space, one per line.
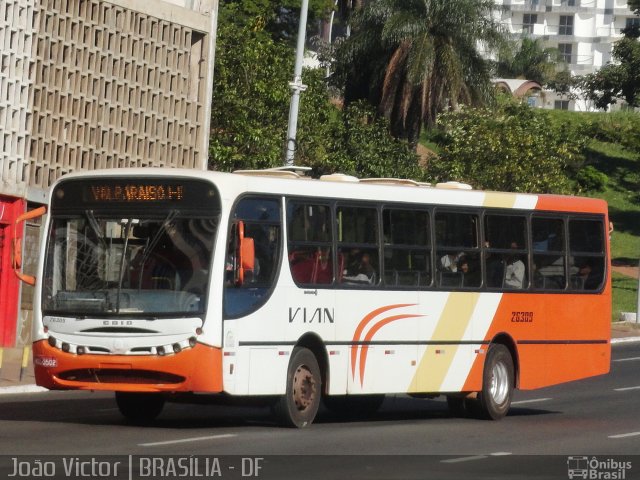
568, 3
565, 51
528, 21
561, 105
566, 25
633, 22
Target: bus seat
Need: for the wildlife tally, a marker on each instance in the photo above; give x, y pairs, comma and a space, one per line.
450, 279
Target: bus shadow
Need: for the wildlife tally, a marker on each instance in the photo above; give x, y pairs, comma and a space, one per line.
104, 412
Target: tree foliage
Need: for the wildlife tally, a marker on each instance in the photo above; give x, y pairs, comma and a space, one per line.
250, 110
413, 58
510, 149
617, 80
277, 19
530, 60
249, 99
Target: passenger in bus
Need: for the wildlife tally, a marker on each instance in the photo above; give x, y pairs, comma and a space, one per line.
470, 275
590, 278
514, 270
449, 262
359, 269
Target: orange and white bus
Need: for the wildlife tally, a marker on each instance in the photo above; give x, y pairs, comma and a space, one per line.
267, 284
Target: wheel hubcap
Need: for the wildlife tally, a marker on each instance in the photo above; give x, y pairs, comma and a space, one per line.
499, 383
304, 388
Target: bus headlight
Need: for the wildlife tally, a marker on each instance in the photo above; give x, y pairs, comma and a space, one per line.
160, 351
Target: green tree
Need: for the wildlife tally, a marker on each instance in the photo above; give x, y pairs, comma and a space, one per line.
414, 58
509, 149
617, 80
250, 98
634, 5
275, 18
250, 109
530, 60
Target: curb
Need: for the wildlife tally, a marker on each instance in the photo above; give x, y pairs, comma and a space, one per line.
625, 340
22, 389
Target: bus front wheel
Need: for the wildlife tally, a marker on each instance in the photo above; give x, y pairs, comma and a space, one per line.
139, 408
497, 383
299, 405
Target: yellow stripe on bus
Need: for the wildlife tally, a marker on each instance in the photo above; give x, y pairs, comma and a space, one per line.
499, 200
452, 325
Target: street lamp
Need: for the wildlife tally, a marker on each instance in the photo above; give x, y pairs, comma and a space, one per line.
296, 86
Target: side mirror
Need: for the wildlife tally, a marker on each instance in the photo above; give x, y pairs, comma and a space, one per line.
245, 254
16, 244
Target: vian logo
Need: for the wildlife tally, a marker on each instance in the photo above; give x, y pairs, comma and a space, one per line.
311, 315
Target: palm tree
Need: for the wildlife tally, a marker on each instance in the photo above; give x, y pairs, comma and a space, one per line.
413, 58
530, 60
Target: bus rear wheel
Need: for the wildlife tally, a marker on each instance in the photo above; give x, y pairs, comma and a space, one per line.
497, 383
299, 405
140, 408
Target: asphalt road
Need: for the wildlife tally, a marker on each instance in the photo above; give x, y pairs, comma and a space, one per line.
409, 438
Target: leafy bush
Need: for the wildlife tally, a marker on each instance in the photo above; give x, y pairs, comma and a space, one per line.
591, 179
618, 127
511, 148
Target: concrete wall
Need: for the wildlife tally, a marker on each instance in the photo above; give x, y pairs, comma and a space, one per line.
88, 84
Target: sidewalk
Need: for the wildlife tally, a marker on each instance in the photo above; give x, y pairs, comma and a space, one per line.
14, 378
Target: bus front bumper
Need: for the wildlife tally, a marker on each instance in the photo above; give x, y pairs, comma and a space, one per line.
197, 369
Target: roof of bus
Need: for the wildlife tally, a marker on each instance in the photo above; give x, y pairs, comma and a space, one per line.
231, 185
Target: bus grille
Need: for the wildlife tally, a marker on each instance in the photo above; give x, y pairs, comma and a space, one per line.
99, 375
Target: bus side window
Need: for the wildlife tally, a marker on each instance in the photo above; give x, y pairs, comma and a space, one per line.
586, 254
310, 243
506, 253
457, 250
357, 233
261, 219
407, 248
548, 253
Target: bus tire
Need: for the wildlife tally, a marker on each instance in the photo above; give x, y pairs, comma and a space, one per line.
354, 405
299, 405
497, 383
140, 408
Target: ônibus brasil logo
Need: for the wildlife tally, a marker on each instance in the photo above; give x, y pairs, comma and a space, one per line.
593, 468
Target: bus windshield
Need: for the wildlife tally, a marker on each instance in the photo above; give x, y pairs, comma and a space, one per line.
127, 265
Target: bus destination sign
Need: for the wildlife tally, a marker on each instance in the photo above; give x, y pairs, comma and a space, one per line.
124, 193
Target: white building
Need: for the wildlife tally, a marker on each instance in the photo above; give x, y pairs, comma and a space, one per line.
583, 31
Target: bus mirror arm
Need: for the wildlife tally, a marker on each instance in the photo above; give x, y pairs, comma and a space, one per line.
16, 254
245, 254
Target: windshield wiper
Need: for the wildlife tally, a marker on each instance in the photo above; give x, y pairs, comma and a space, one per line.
154, 241
122, 261
93, 223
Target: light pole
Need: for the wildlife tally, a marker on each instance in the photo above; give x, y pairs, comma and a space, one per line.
296, 86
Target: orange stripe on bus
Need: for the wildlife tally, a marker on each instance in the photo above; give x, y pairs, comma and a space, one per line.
363, 323
365, 348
